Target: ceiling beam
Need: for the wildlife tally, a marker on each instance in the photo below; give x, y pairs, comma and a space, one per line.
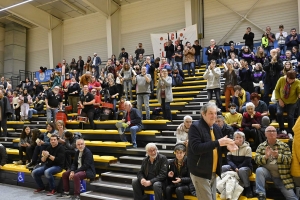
104, 7
96, 4
74, 7
18, 21
31, 14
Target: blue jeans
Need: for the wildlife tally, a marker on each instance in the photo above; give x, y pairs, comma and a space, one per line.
179, 65
128, 87
133, 130
268, 49
48, 172
282, 48
197, 60
143, 98
169, 60
31, 112
221, 60
263, 175
189, 67
51, 113
290, 108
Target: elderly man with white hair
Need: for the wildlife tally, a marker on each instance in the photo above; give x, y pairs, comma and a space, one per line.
183, 130
133, 123
153, 173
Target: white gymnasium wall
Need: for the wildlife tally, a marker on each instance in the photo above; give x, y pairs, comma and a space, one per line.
219, 19
37, 49
84, 36
1, 49
139, 20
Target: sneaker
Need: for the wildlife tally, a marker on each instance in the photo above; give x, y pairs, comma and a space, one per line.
135, 146
249, 194
76, 198
20, 162
51, 193
30, 165
39, 190
64, 195
261, 196
290, 136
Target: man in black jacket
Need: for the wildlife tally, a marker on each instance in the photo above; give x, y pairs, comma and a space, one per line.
248, 37
226, 130
152, 175
38, 89
82, 167
53, 157
133, 119
205, 155
3, 156
169, 49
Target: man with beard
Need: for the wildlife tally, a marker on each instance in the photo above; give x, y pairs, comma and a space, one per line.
53, 103
152, 174
4, 108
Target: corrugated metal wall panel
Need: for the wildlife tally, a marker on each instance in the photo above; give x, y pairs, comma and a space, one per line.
218, 19
83, 36
1, 49
37, 49
140, 19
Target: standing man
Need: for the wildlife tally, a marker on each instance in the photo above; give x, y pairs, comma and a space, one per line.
5, 107
53, 103
212, 52
133, 119
53, 157
3, 82
82, 167
291, 40
248, 37
86, 102
280, 37
123, 54
38, 89
271, 38
80, 64
139, 50
3, 156
274, 159
96, 62
152, 175
143, 91
204, 152
169, 49
189, 53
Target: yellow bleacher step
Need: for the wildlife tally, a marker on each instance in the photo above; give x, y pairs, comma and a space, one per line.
107, 144
102, 131
13, 151
174, 100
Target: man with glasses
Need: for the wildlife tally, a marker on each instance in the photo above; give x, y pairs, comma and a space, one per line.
152, 175
82, 167
287, 92
274, 159
53, 103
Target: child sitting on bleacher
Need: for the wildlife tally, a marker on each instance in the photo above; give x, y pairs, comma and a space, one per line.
121, 108
179, 180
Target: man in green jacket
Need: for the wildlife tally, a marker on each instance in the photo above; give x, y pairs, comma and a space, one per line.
287, 92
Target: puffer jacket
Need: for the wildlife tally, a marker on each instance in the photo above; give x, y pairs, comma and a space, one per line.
228, 185
241, 157
295, 167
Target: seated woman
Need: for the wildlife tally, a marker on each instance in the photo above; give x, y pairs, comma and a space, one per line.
34, 136
38, 107
240, 161
251, 121
183, 129
24, 144
60, 131
42, 143
179, 180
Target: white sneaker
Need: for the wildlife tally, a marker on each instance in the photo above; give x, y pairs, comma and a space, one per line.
290, 135
284, 132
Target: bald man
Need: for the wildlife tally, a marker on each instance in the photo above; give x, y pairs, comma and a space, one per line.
274, 160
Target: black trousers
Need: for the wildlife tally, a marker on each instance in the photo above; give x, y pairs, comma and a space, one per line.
68, 158
180, 191
3, 125
138, 190
89, 114
28, 151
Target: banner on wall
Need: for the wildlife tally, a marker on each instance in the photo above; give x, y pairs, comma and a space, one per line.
159, 41
45, 76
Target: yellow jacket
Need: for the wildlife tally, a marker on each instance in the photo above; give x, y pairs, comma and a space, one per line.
295, 166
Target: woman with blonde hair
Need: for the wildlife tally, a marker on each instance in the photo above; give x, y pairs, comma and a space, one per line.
61, 130
287, 66
259, 55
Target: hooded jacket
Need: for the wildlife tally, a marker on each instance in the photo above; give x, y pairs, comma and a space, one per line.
241, 157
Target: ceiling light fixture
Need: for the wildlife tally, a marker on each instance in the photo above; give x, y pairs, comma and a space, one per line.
17, 4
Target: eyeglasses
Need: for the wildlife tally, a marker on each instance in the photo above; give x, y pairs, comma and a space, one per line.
271, 131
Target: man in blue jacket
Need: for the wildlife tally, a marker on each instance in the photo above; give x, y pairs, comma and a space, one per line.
82, 167
205, 155
133, 119
96, 62
292, 40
